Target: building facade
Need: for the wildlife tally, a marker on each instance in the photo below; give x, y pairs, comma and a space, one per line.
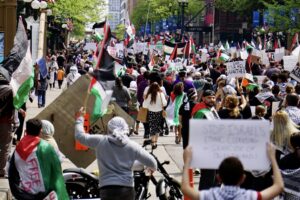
114, 13
130, 6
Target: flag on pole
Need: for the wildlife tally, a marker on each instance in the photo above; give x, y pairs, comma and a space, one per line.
174, 53
22, 80
224, 57
227, 46
130, 30
295, 41
101, 99
17, 53
276, 44
192, 46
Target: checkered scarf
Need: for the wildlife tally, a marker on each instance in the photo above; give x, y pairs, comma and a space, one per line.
228, 193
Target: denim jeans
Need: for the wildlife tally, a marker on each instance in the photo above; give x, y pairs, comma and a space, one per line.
41, 97
114, 192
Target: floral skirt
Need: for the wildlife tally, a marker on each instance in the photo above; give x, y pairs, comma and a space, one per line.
155, 120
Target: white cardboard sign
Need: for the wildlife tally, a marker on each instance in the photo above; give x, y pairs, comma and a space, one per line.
278, 56
244, 54
236, 69
295, 74
214, 140
289, 62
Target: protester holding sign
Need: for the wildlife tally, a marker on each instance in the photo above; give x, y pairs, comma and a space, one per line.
231, 175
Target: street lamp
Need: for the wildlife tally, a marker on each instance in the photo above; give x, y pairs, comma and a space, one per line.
183, 4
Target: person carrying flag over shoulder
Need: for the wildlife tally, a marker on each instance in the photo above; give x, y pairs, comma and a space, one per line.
206, 110
35, 170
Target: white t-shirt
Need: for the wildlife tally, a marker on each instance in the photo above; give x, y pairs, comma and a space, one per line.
158, 105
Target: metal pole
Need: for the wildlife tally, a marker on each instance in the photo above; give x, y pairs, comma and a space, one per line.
182, 19
213, 25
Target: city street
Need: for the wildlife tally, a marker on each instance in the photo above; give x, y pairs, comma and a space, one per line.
166, 150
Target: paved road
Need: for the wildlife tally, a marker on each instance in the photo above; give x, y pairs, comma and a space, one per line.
167, 149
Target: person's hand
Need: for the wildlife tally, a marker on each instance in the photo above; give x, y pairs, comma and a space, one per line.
22, 112
80, 113
187, 156
271, 151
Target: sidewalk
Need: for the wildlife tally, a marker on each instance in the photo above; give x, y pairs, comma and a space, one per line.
167, 149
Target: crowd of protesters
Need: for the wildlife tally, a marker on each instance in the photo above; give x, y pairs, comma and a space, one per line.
174, 95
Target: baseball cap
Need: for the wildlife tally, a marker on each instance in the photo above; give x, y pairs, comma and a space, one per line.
207, 93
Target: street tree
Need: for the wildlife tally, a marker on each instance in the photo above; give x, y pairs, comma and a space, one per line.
161, 9
79, 11
120, 30
284, 15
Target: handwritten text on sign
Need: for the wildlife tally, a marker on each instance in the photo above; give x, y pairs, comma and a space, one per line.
236, 69
295, 74
212, 141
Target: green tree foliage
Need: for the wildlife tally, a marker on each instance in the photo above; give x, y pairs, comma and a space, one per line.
120, 30
80, 11
161, 9
285, 15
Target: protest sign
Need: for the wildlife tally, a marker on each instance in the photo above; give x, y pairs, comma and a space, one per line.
138, 47
203, 57
214, 140
289, 62
112, 51
260, 79
253, 110
244, 54
280, 50
232, 50
278, 56
255, 59
90, 46
257, 53
265, 58
236, 69
120, 50
295, 74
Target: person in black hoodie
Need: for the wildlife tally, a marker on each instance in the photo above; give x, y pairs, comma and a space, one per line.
185, 111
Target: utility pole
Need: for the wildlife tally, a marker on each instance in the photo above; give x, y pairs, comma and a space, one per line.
213, 24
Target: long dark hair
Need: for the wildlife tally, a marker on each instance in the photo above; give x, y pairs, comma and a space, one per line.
118, 82
153, 90
178, 89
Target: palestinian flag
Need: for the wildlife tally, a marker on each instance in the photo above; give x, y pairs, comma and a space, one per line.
102, 99
174, 53
169, 48
103, 54
295, 41
192, 46
22, 80
224, 57
38, 168
248, 46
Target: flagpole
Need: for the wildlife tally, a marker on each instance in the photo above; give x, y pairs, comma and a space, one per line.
86, 99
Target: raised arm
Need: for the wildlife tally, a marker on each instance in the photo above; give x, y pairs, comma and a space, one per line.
80, 135
277, 187
185, 184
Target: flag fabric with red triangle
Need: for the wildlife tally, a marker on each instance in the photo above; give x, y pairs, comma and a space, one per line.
174, 53
295, 41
